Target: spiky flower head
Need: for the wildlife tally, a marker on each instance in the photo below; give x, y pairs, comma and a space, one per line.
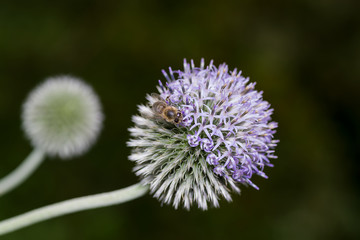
62, 116
224, 139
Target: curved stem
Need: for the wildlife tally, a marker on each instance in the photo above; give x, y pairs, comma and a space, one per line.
22, 172
71, 206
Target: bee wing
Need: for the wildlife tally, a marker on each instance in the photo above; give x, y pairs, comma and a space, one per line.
159, 106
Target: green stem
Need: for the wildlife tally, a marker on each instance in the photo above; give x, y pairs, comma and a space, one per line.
71, 206
22, 172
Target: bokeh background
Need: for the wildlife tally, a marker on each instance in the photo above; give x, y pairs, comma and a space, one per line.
304, 55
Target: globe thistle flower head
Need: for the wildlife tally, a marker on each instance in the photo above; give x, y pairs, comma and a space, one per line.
224, 139
62, 116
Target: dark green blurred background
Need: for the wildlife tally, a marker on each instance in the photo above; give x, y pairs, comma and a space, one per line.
305, 55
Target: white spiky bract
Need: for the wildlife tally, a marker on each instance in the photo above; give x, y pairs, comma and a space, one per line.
176, 172
62, 116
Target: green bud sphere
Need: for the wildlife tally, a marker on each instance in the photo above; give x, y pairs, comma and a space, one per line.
62, 116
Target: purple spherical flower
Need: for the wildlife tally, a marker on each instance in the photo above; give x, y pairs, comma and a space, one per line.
224, 139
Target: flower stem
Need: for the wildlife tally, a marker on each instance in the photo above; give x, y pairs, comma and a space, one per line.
22, 172
71, 206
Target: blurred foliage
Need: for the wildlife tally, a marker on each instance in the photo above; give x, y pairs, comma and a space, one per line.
304, 55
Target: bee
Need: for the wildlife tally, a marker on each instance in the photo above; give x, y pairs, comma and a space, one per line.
165, 111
